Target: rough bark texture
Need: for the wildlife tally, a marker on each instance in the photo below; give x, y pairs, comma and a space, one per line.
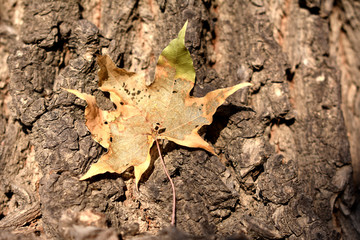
286, 154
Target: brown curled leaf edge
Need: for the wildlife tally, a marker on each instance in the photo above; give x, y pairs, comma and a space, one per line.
163, 110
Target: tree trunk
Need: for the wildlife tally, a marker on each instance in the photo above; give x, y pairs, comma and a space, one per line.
286, 156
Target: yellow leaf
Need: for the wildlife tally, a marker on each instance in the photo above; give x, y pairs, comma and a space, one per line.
163, 110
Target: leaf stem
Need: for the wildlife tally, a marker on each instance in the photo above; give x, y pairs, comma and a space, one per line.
171, 182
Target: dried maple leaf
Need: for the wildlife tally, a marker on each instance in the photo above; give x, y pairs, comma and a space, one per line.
163, 110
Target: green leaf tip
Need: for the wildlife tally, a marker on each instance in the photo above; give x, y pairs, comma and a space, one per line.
177, 55
182, 32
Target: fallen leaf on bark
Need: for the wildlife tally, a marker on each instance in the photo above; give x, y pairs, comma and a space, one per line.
163, 110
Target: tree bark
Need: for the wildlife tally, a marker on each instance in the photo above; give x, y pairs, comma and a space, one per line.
287, 148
